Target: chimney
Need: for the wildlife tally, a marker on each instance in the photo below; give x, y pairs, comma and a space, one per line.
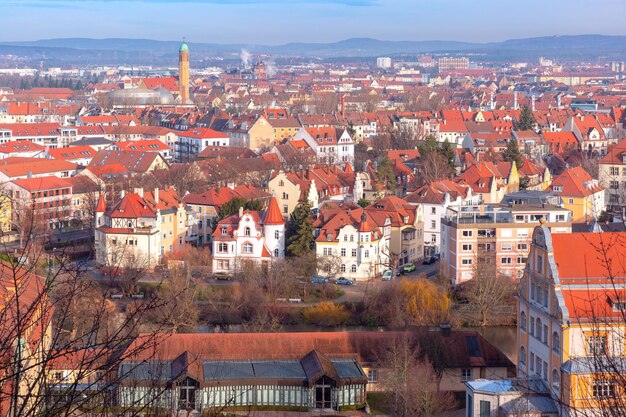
156, 195
138, 191
122, 194
241, 211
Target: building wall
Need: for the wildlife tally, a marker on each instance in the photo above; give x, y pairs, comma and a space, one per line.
287, 194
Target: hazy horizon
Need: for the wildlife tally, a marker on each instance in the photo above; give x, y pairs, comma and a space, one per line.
275, 22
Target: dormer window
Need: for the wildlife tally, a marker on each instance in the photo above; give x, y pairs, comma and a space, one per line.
224, 231
329, 237
557, 188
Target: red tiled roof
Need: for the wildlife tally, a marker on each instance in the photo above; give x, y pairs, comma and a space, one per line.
575, 182
42, 183
19, 167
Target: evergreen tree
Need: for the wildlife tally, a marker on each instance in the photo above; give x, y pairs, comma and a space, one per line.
526, 120
363, 202
448, 153
513, 154
429, 144
385, 174
300, 230
233, 206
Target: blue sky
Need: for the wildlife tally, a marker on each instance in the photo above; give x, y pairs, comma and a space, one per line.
278, 22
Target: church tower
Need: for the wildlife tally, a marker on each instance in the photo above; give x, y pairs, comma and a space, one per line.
183, 72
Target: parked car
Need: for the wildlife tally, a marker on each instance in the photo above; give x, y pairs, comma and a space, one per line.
387, 275
318, 280
437, 256
429, 260
344, 281
399, 272
222, 276
408, 267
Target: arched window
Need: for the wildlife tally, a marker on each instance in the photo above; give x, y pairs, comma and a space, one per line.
556, 341
556, 379
276, 253
538, 328
343, 267
247, 248
522, 320
246, 231
522, 355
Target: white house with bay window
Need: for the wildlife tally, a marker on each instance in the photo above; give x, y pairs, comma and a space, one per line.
248, 236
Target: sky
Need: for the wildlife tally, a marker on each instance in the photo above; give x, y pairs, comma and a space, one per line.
283, 21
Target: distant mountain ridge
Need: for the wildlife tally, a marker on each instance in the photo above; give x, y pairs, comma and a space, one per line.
570, 47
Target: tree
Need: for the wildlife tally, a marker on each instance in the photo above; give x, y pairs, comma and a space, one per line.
300, 230
408, 302
489, 291
363, 202
411, 385
235, 204
526, 120
512, 153
64, 316
385, 175
327, 314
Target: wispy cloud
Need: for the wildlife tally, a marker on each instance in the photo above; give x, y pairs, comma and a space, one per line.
70, 3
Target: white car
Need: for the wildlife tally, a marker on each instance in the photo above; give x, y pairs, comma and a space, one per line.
387, 275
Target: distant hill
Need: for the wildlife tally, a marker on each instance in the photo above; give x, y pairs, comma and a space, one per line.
120, 50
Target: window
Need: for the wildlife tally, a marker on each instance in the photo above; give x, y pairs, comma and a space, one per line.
556, 380
327, 251
596, 344
466, 261
224, 231
531, 361
507, 246
246, 231
285, 208
353, 268
343, 267
467, 233
485, 409
247, 248
466, 374
539, 263
537, 332
276, 253
433, 224
433, 210
351, 238
522, 355
556, 342
506, 260
571, 201
614, 170
367, 254
372, 375
521, 260
354, 253
467, 247
545, 334
276, 234
222, 247
522, 320
603, 388
285, 196
522, 246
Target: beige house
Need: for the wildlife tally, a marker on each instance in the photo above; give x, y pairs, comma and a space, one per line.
406, 242
289, 188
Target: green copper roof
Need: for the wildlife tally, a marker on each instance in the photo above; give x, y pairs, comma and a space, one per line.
184, 47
